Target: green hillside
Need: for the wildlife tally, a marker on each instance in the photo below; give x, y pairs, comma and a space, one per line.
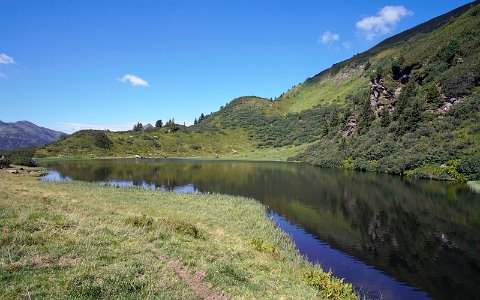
410, 106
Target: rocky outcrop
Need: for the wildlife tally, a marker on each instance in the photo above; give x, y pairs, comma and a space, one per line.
381, 97
349, 71
447, 104
351, 126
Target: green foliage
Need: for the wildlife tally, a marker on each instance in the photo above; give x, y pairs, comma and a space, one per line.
470, 165
405, 99
101, 140
159, 124
22, 157
138, 127
459, 80
432, 96
262, 246
196, 146
4, 163
277, 131
407, 144
450, 51
140, 221
411, 116
443, 172
385, 117
329, 289
397, 64
366, 116
183, 227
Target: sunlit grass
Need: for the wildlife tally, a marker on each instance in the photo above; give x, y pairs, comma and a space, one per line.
84, 241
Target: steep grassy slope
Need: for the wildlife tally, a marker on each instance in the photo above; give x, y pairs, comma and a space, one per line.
421, 112
410, 105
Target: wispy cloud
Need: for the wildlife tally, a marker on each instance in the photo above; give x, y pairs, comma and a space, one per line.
72, 127
134, 80
384, 22
347, 45
2, 76
5, 59
328, 37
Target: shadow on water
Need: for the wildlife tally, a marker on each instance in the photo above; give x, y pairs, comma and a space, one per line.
392, 238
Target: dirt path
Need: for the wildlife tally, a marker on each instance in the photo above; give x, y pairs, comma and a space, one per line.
194, 282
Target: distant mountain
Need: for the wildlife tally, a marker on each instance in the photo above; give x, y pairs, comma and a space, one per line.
25, 134
148, 126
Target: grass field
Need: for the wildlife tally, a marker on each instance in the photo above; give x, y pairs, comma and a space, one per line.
86, 241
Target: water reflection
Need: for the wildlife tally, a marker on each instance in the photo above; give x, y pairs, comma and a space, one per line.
362, 226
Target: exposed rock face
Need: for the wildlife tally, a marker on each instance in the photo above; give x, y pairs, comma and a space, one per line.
447, 104
351, 70
381, 97
351, 126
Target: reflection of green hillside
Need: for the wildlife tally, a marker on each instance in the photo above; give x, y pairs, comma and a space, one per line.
421, 232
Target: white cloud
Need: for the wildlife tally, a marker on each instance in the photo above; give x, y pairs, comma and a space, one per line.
347, 45
2, 76
134, 80
384, 22
5, 59
72, 127
328, 37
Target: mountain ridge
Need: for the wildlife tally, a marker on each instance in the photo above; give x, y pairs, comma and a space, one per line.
24, 133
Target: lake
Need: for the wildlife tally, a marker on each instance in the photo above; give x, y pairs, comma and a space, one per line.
391, 237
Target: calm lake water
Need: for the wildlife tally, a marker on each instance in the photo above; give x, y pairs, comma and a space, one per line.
392, 238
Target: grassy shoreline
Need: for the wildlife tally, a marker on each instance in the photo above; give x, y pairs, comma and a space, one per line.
82, 240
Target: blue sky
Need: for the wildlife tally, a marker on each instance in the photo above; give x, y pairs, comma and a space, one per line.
71, 65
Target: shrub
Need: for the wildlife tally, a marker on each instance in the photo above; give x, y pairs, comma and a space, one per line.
469, 165
196, 146
140, 221
450, 50
183, 228
22, 156
329, 286
4, 163
432, 96
262, 246
101, 140
397, 63
459, 80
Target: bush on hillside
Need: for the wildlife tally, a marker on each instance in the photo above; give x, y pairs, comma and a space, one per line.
470, 165
4, 163
22, 156
459, 80
101, 140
